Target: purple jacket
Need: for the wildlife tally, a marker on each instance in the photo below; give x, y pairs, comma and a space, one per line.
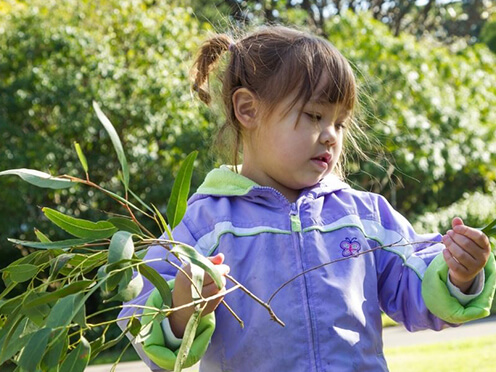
332, 314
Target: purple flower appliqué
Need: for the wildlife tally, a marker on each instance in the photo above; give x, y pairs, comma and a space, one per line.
350, 247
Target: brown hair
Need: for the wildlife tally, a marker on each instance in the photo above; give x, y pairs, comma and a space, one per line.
273, 62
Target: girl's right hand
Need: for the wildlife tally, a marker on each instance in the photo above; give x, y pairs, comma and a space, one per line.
182, 295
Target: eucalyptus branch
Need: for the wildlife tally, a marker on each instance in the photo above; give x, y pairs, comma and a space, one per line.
265, 305
347, 258
122, 201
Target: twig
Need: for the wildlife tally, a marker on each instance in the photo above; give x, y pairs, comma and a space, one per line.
233, 313
346, 258
265, 305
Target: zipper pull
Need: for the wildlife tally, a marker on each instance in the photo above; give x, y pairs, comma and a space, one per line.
295, 219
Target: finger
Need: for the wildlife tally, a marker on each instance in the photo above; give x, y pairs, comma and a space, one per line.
475, 235
457, 221
463, 243
458, 253
211, 289
221, 269
453, 264
217, 259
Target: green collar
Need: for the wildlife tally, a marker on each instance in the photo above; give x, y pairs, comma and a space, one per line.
225, 181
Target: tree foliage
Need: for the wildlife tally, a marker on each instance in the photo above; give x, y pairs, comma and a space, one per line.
56, 57
432, 109
446, 20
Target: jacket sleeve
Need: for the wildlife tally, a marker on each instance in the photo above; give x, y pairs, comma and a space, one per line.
412, 276
153, 350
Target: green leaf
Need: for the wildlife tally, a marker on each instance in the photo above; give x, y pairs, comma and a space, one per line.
41, 237
57, 263
78, 359
128, 289
56, 350
62, 244
140, 201
490, 229
81, 157
121, 247
72, 288
134, 326
162, 222
35, 349
115, 141
21, 273
36, 314
65, 310
188, 338
78, 227
6, 307
80, 317
180, 191
16, 342
39, 179
191, 255
125, 224
159, 282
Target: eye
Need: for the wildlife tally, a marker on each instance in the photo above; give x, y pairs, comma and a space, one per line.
314, 116
340, 126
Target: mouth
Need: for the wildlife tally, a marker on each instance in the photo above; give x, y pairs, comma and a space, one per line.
326, 158
322, 160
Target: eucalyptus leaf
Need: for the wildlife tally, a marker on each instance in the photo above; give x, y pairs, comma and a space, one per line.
180, 191
125, 224
39, 179
57, 263
191, 255
41, 237
16, 342
61, 244
188, 338
128, 291
114, 137
81, 157
80, 228
72, 288
134, 326
56, 350
158, 282
490, 229
36, 314
35, 349
22, 272
162, 222
78, 359
65, 310
121, 247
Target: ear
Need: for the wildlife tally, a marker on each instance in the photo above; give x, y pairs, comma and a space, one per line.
246, 107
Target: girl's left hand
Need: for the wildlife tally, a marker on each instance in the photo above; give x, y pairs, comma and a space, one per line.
466, 254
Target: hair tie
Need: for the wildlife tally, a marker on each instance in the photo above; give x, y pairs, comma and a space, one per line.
231, 47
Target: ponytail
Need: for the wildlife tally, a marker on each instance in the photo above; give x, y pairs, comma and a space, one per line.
208, 56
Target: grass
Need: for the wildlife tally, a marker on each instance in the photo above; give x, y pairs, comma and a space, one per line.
468, 355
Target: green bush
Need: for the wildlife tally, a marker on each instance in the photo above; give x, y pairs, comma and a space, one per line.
131, 56
432, 107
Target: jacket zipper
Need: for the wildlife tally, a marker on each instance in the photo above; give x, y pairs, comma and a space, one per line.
298, 237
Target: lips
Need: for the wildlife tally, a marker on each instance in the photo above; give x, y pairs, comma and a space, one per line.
325, 158
322, 160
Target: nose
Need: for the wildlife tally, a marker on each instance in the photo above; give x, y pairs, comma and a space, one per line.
328, 134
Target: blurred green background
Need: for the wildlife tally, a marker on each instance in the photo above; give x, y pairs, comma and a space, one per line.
428, 96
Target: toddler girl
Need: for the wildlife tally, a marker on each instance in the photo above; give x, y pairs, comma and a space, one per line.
289, 100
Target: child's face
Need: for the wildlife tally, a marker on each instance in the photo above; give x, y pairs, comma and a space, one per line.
290, 154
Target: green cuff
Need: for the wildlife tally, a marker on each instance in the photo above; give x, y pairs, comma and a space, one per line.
154, 345
440, 302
